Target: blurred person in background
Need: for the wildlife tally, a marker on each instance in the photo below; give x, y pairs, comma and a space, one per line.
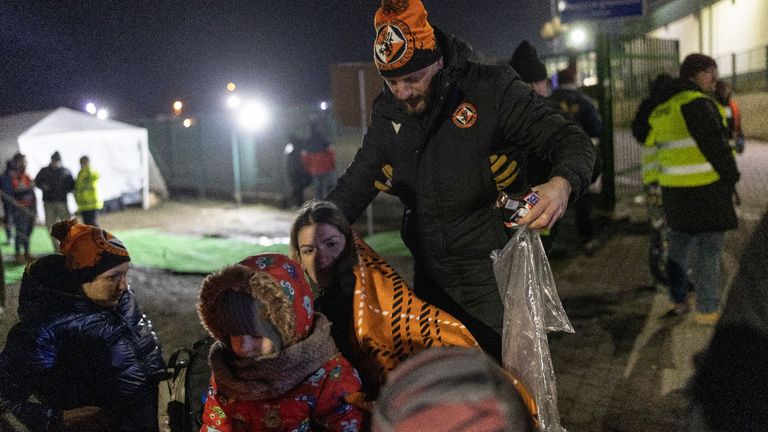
25, 207
56, 182
87, 192
83, 356
698, 175
6, 189
724, 95
319, 159
298, 177
578, 107
526, 62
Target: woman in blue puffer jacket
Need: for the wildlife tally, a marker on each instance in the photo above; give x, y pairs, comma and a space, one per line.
82, 348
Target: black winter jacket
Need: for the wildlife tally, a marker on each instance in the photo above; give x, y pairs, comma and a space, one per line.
68, 352
441, 172
55, 183
583, 110
704, 208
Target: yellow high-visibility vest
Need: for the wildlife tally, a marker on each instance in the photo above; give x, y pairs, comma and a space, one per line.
86, 190
681, 163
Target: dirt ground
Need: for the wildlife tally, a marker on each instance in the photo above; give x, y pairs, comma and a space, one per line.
204, 218
166, 297
169, 298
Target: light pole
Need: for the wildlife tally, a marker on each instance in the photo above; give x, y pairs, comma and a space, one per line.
233, 102
250, 116
236, 168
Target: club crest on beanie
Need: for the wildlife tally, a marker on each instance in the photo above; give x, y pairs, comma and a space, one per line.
405, 41
88, 251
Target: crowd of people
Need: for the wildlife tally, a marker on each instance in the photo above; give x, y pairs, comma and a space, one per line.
55, 182
296, 344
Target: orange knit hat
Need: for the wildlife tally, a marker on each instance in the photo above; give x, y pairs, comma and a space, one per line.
405, 41
89, 251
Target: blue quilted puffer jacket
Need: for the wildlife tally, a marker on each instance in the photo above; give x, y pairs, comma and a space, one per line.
68, 352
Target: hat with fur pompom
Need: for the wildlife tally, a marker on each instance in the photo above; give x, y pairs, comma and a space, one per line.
262, 295
88, 250
405, 41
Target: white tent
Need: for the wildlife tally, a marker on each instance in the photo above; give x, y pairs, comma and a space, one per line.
118, 151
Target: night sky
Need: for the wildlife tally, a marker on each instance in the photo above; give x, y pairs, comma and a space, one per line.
137, 56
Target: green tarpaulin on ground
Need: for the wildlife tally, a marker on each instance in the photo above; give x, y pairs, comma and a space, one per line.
180, 253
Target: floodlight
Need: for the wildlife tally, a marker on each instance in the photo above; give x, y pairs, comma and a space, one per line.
233, 101
577, 37
253, 116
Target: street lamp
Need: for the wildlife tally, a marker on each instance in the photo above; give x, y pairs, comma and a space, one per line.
177, 106
102, 114
577, 37
233, 101
253, 116
250, 116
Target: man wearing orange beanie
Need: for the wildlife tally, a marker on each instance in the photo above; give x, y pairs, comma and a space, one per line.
447, 135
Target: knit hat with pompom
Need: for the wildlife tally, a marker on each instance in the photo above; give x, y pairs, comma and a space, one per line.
405, 41
88, 250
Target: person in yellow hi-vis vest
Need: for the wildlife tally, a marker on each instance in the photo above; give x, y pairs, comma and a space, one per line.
87, 192
698, 175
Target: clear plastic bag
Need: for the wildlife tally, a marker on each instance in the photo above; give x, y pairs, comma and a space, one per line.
532, 308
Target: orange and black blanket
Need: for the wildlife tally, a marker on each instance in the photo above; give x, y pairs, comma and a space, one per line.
391, 323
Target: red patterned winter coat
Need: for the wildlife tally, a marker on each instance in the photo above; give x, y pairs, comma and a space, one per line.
294, 390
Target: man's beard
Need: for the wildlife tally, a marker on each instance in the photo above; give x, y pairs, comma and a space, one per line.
416, 108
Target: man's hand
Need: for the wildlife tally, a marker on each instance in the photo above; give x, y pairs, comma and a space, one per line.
553, 200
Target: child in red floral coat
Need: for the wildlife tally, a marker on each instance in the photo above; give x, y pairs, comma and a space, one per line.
274, 366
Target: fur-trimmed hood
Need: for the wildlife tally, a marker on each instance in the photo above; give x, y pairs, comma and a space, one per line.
276, 281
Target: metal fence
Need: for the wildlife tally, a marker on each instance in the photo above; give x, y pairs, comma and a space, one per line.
618, 74
212, 157
626, 67
746, 70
